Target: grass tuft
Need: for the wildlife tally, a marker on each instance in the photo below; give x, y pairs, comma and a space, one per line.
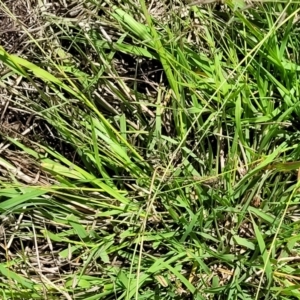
149, 150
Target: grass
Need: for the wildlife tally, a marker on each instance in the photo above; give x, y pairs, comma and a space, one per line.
157, 151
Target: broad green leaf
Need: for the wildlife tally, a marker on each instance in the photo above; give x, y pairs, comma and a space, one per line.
264, 252
18, 200
10, 275
243, 242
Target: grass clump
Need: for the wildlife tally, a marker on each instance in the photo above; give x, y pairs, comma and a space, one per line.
149, 150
